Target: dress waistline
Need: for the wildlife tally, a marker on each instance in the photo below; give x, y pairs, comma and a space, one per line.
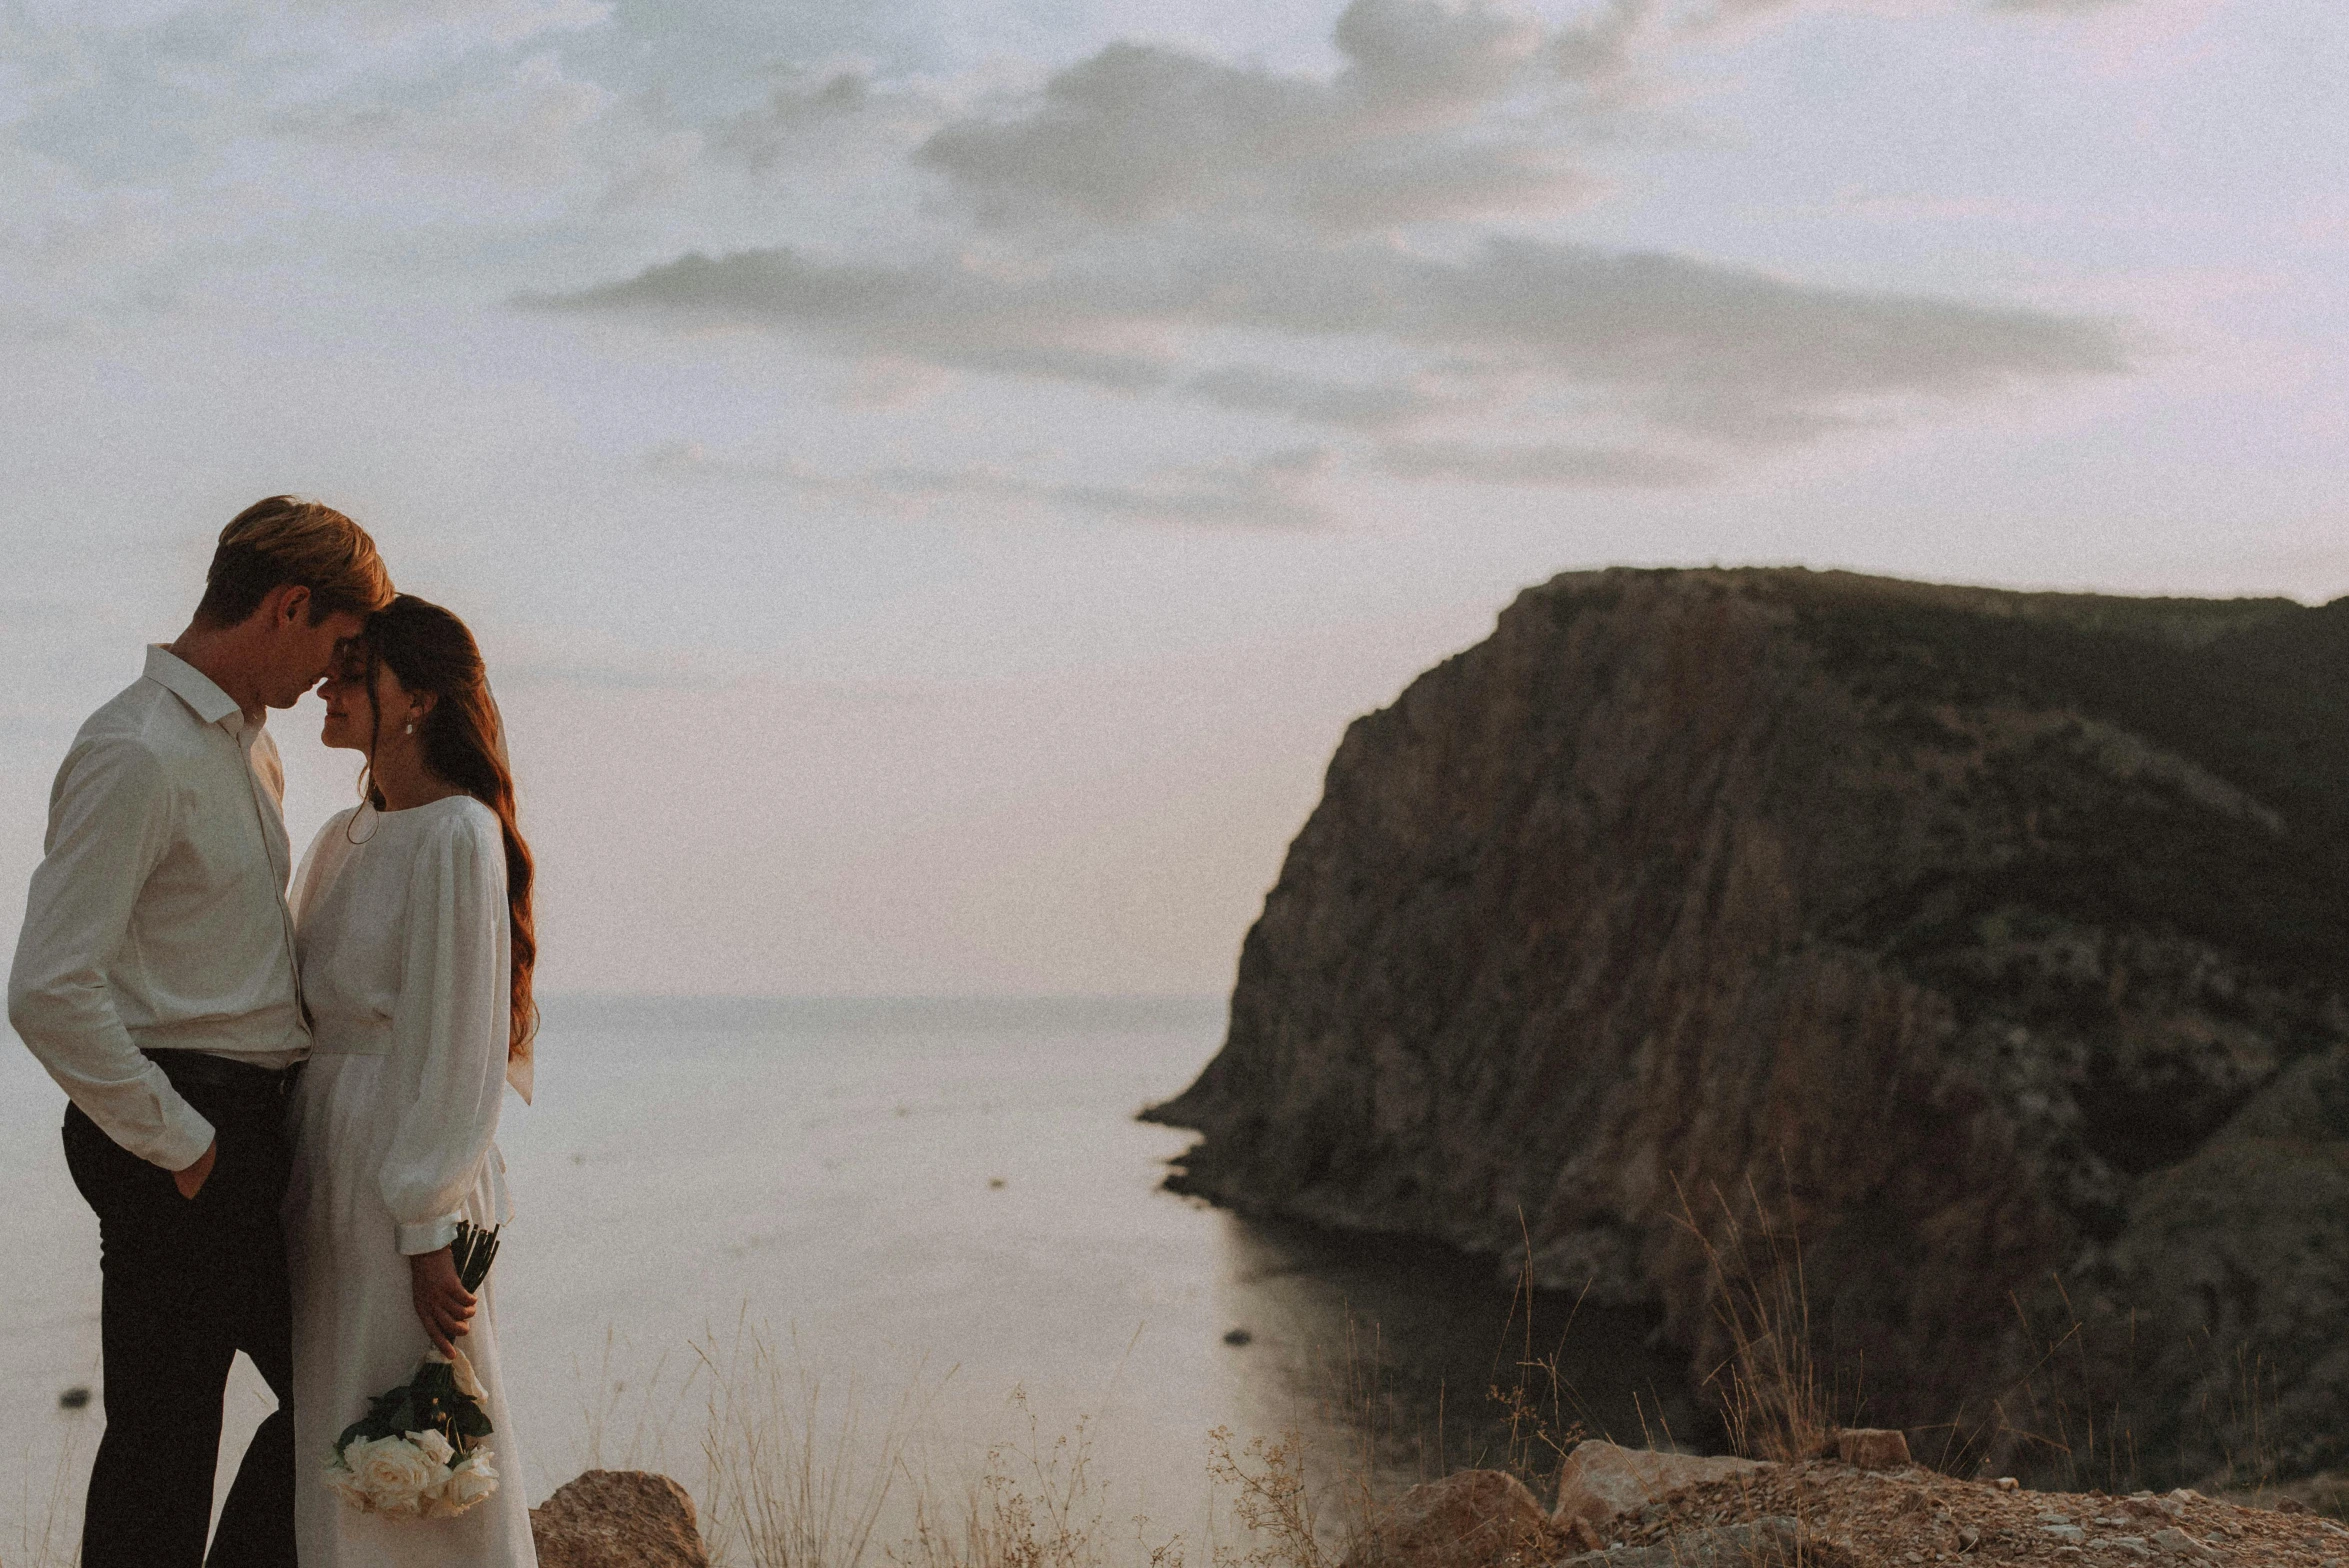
351, 1037
271, 1030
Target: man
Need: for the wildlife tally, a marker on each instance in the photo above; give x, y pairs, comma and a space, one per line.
154, 978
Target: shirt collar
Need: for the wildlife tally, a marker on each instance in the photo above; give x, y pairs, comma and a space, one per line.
193, 687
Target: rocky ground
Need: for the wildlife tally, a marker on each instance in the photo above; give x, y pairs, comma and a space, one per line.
1837, 1515
1625, 1508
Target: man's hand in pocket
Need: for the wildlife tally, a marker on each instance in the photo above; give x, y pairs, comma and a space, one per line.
191, 1181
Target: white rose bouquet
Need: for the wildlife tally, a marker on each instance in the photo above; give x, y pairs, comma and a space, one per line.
419, 1450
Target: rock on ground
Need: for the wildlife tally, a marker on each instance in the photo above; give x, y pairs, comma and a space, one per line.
1872, 1448
1469, 1519
618, 1519
1602, 1481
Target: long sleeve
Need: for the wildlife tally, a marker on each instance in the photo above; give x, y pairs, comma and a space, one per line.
109, 827
449, 1030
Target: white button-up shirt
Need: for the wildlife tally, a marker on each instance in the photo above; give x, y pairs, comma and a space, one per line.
157, 919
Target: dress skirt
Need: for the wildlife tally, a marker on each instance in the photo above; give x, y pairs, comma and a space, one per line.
355, 1328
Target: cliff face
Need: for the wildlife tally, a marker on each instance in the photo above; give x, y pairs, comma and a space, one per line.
1977, 938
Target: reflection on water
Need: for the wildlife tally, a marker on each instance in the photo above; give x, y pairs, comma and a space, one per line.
952, 1197
1421, 1357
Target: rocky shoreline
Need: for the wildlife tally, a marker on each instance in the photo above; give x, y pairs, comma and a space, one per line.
1963, 972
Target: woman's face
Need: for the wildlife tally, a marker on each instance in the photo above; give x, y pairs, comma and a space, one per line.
350, 719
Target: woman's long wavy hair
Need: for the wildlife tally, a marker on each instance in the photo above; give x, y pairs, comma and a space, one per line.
430, 650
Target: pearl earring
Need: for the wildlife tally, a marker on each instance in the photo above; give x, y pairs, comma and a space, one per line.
408, 728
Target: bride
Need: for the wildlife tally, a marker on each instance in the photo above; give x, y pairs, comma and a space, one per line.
413, 931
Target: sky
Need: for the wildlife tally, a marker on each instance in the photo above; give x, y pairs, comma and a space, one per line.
934, 480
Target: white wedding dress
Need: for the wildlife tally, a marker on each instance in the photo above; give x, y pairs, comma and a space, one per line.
402, 940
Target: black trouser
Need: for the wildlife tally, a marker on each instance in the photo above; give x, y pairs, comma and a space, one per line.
188, 1284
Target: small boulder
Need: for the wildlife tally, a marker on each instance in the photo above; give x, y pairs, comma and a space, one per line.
618, 1519
1601, 1480
1873, 1448
1469, 1519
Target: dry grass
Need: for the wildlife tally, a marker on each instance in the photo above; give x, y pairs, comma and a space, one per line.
793, 1479
2063, 1422
1272, 1504
49, 1535
600, 1443
1777, 1401
1038, 1503
787, 1483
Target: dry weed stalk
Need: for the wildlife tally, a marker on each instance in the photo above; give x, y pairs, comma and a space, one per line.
1271, 1501
1774, 1404
1534, 1395
647, 1446
2056, 1416
2252, 1467
1037, 1505
55, 1540
780, 1491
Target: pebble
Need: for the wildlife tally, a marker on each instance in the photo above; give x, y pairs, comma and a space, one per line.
2065, 1532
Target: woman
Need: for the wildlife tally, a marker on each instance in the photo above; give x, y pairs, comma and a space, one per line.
413, 931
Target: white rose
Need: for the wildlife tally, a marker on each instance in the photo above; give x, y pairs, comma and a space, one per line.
393, 1472
345, 1485
433, 1446
473, 1479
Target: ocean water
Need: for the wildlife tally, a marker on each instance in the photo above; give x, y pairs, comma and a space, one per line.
939, 1212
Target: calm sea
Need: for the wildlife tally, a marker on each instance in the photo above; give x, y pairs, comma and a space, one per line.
947, 1201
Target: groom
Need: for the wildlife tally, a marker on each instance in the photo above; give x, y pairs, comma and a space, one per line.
154, 978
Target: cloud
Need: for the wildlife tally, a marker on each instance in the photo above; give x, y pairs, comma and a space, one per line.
520, 132
829, 116
1277, 490
1547, 465
1369, 405
1691, 347
1340, 251
1139, 132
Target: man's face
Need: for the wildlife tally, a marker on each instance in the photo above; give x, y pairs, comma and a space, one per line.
300, 653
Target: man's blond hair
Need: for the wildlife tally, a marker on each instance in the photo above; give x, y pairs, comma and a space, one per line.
283, 540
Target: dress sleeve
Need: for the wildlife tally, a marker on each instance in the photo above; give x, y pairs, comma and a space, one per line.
449, 1030
110, 824
319, 863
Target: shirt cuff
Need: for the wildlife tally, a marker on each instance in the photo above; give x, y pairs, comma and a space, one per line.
428, 1235
186, 1135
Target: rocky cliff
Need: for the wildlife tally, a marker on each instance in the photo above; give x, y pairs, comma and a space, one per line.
1994, 945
